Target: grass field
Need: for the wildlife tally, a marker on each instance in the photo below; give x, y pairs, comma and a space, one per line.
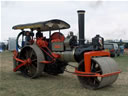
14, 84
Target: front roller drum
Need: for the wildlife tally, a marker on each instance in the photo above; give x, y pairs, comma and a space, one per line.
34, 68
101, 65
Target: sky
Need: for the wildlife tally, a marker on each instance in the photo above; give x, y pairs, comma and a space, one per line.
107, 18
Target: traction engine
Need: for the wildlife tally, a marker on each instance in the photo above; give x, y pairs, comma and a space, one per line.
37, 55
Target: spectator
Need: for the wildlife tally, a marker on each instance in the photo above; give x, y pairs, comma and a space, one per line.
39, 34
122, 50
27, 38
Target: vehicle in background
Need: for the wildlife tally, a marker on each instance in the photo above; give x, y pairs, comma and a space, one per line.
113, 48
2, 46
12, 44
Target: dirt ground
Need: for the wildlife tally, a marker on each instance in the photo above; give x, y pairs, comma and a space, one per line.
126, 51
14, 84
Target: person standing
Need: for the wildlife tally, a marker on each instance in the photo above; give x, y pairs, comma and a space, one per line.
27, 38
39, 34
122, 50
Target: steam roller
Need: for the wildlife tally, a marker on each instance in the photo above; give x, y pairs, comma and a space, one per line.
38, 55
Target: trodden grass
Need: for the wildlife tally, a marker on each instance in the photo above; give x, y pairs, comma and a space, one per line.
14, 84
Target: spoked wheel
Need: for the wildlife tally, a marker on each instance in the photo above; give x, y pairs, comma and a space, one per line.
101, 65
34, 56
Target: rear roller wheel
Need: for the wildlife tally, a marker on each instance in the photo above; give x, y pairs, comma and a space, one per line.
101, 65
34, 68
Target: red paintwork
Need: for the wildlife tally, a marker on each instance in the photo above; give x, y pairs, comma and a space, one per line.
23, 62
87, 58
57, 40
15, 53
52, 55
112, 50
57, 36
91, 74
41, 43
47, 62
56, 55
57, 46
89, 55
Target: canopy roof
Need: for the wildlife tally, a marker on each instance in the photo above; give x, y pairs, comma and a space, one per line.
54, 24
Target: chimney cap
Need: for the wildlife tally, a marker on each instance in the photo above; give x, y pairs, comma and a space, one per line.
81, 11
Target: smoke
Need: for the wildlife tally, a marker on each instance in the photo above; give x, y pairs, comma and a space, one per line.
95, 4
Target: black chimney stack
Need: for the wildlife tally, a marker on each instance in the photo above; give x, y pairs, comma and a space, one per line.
81, 26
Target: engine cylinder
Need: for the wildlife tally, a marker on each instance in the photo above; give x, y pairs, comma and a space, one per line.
67, 56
